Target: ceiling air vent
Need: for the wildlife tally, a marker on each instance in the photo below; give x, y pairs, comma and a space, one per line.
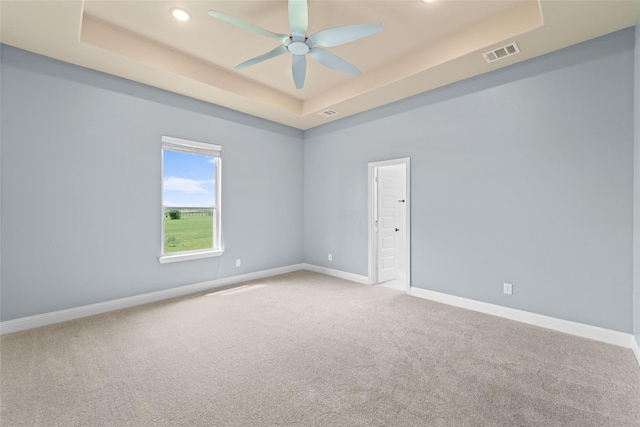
503, 52
328, 113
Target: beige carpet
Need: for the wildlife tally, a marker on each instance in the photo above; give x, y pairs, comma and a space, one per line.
305, 349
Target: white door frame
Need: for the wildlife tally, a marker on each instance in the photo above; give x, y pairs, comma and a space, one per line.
373, 243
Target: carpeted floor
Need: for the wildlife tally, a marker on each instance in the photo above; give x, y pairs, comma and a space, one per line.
303, 349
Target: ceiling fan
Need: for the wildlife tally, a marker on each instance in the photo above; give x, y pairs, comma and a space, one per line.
299, 45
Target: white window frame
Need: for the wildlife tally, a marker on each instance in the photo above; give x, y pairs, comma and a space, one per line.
187, 146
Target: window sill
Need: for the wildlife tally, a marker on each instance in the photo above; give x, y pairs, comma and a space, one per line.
186, 256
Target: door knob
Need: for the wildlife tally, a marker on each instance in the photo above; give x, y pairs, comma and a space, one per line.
397, 229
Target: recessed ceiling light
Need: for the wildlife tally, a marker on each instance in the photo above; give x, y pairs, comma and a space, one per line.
426, 1
180, 14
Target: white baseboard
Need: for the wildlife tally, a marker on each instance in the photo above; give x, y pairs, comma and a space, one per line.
36, 321
586, 331
636, 349
337, 273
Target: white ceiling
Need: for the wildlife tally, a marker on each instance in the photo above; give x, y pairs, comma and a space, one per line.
423, 45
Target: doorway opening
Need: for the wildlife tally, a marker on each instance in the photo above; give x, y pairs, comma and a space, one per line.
390, 224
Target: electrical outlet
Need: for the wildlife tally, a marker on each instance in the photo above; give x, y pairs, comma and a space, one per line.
330, 257
507, 288
237, 263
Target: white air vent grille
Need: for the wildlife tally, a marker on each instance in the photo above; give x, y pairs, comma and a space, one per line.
328, 113
503, 52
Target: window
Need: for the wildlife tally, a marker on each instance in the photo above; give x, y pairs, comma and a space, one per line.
191, 174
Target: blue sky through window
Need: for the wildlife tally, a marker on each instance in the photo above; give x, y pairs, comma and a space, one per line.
189, 180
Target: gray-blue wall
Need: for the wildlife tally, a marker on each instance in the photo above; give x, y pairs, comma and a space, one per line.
523, 175
81, 187
1, 188
636, 253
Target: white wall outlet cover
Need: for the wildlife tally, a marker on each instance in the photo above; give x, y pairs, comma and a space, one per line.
330, 257
237, 263
508, 288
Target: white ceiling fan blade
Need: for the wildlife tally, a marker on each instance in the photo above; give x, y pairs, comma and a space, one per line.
247, 26
275, 52
298, 18
299, 69
342, 35
331, 60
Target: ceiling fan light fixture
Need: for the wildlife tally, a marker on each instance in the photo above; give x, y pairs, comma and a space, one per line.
180, 14
298, 48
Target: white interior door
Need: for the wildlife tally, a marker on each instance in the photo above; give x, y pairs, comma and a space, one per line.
387, 224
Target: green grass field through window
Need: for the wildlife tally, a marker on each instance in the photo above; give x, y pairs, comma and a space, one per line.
188, 233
